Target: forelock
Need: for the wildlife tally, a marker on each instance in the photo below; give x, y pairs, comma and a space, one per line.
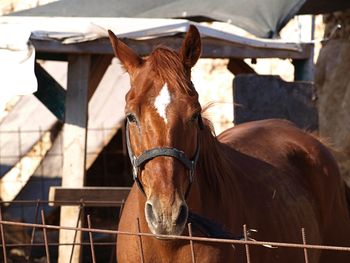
168, 66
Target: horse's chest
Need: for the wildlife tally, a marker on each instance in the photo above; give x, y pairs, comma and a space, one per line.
202, 252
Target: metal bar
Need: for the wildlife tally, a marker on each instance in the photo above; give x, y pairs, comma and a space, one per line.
191, 243
76, 229
200, 239
45, 237
3, 243
140, 242
246, 245
304, 242
33, 231
70, 202
35, 131
59, 244
113, 251
91, 240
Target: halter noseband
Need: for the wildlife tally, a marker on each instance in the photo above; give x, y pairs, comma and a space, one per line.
148, 155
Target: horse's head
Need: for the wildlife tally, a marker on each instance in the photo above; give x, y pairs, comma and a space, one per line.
163, 115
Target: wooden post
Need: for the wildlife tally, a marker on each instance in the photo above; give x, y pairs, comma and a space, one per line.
84, 75
74, 143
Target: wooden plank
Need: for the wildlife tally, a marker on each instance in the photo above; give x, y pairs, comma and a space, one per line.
212, 48
50, 92
74, 145
92, 196
51, 56
238, 66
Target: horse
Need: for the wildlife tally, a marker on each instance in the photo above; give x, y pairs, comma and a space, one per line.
267, 174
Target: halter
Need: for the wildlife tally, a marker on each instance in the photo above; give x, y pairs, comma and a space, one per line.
148, 155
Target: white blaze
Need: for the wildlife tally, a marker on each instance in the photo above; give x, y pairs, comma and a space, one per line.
162, 101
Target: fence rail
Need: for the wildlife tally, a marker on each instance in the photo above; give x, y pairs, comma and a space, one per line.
245, 241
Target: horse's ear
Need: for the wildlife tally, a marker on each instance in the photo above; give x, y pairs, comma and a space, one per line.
129, 59
191, 47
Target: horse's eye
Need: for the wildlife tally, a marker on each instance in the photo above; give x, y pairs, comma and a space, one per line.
131, 118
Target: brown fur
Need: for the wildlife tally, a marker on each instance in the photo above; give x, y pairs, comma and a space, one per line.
267, 174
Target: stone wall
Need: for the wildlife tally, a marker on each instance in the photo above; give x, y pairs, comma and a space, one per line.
332, 81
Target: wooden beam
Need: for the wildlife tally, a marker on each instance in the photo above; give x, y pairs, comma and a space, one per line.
51, 56
74, 146
92, 196
50, 92
212, 48
238, 66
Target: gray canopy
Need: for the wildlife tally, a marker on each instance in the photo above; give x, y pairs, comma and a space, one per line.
263, 18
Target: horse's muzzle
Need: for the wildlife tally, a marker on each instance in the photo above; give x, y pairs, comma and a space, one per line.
166, 220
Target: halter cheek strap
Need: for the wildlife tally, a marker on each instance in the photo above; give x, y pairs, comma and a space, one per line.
148, 155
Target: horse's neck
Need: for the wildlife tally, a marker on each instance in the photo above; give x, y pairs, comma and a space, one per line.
215, 183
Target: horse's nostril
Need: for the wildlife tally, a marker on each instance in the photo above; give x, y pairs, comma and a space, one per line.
150, 213
182, 216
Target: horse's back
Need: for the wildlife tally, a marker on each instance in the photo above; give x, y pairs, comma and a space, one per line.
282, 145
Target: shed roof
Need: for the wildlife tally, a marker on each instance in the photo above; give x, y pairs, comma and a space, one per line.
264, 18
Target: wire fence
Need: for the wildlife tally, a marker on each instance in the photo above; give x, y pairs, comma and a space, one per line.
91, 243
31, 162
35, 157
31, 234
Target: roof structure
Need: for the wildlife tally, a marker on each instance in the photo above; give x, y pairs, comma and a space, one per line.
264, 18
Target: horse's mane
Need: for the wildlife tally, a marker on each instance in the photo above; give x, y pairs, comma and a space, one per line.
213, 165
167, 64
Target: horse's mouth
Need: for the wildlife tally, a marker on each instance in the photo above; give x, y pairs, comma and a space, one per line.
165, 232
169, 234
166, 225
164, 238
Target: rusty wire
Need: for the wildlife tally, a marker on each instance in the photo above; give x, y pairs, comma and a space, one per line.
188, 238
3, 242
142, 258
191, 243
45, 237
246, 242
247, 253
68, 202
303, 235
91, 240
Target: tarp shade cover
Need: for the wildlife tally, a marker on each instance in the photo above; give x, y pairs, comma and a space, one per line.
263, 18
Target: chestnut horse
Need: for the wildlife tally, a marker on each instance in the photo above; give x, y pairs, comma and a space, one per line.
267, 174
